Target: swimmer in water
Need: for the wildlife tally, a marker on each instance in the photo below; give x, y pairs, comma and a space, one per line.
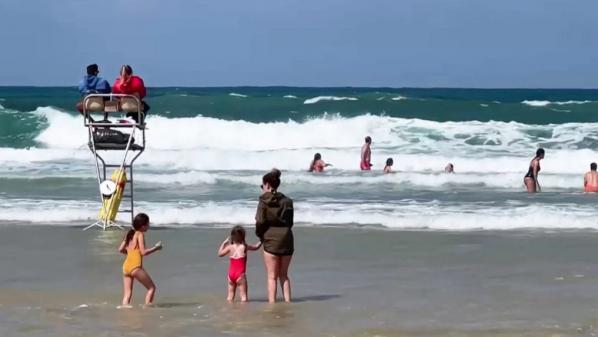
449, 168
590, 180
318, 165
388, 167
366, 155
531, 177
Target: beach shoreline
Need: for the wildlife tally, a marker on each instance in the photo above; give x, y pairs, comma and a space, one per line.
346, 282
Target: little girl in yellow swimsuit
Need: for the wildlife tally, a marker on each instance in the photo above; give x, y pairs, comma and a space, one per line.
133, 245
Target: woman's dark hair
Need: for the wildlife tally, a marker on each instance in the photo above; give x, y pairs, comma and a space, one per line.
368, 139
540, 152
237, 235
312, 166
389, 162
139, 221
593, 166
92, 69
272, 178
127, 69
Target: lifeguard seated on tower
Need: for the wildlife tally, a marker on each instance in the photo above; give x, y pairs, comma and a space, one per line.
125, 84
130, 84
93, 84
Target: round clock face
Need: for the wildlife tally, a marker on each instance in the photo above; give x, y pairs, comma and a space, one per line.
107, 187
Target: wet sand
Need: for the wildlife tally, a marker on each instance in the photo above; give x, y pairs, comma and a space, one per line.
61, 281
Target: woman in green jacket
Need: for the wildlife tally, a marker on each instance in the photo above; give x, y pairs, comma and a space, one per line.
273, 223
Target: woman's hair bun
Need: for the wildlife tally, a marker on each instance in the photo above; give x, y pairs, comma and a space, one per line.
276, 172
272, 178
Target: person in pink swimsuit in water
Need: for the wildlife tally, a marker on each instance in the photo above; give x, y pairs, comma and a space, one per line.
366, 155
318, 165
590, 180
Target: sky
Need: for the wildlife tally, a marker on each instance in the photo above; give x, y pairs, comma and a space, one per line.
378, 43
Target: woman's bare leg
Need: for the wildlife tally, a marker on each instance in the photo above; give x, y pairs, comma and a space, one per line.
242, 282
127, 289
143, 277
285, 282
530, 185
272, 263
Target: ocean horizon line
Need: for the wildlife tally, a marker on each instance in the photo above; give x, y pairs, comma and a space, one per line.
318, 87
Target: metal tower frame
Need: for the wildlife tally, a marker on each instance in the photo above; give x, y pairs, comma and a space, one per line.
112, 104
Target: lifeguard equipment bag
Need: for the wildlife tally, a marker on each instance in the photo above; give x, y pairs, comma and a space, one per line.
108, 135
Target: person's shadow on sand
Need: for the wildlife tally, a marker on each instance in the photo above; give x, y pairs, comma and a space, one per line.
309, 298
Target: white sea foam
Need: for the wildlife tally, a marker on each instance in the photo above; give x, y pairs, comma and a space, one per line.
508, 181
572, 102
328, 98
538, 103
66, 131
203, 143
302, 179
289, 96
402, 215
399, 98
234, 94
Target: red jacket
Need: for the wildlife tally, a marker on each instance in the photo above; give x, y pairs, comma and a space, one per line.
133, 86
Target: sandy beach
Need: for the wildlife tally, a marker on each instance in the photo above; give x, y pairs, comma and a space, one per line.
347, 282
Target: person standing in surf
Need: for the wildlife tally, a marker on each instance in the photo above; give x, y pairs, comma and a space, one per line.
318, 165
590, 180
531, 177
366, 155
273, 225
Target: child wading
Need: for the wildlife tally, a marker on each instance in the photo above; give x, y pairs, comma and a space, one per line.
236, 248
133, 245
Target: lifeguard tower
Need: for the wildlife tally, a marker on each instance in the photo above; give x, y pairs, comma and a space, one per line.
115, 143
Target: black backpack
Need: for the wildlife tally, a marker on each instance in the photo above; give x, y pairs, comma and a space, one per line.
107, 135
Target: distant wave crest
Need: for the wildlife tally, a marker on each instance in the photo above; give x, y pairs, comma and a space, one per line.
314, 100
541, 103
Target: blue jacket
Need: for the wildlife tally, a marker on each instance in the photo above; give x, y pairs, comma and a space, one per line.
91, 84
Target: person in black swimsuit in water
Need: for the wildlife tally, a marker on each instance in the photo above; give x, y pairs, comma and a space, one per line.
531, 178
